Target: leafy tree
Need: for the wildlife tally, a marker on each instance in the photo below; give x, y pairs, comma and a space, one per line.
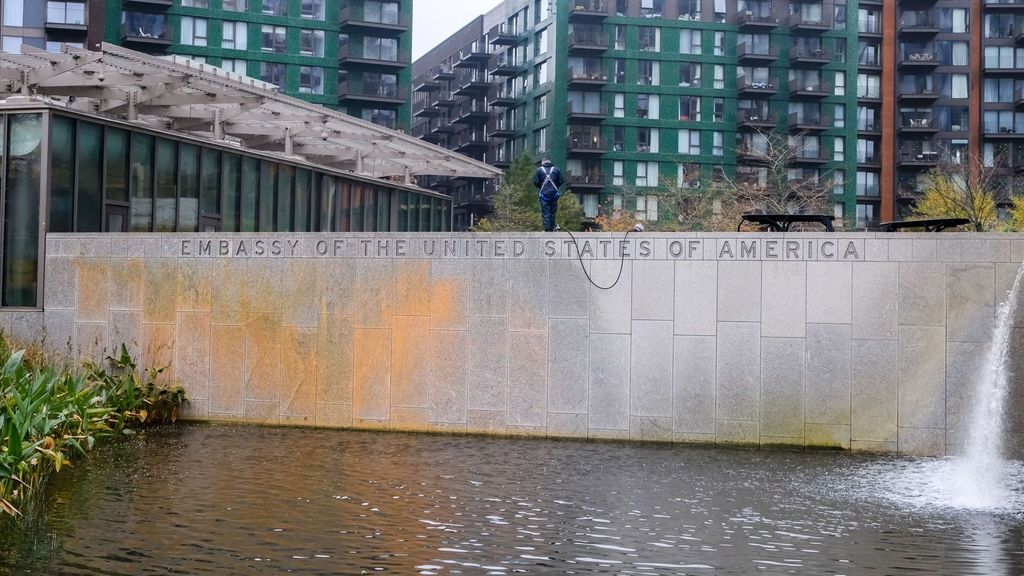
961, 187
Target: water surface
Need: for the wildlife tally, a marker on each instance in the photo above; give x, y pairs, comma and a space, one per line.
224, 500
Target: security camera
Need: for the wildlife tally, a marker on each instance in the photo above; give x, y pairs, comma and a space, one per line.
324, 136
638, 228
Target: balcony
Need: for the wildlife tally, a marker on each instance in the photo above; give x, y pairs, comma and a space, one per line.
586, 144
505, 36
1002, 133
749, 55
507, 68
920, 125
918, 159
445, 99
869, 96
148, 4
502, 130
503, 100
378, 23
590, 181
473, 56
996, 68
809, 123
472, 112
1018, 98
800, 24
919, 60
66, 17
920, 23
869, 128
353, 54
869, 26
581, 10
424, 131
499, 159
372, 92
1004, 5
578, 111
145, 31
585, 78
869, 160
472, 86
919, 95
443, 74
804, 89
758, 120
443, 128
870, 62
808, 57
428, 112
809, 156
749, 21
751, 154
584, 42
426, 84
746, 87
470, 140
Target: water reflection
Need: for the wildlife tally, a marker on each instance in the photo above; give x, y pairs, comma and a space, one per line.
233, 500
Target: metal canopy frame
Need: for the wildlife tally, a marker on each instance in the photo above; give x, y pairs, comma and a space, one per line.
207, 102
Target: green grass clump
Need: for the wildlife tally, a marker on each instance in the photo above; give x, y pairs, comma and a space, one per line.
51, 413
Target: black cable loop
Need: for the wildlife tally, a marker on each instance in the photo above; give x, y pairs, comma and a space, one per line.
622, 262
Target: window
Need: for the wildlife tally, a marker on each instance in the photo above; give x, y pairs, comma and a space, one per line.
381, 12
235, 36
960, 25
272, 72
311, 80
234, 65
839, 149
689, 108
11, 44
618, 138
689, 142
311, 43
719, 44
648, 106
649, 72
689, 74
718, 110
647, 174
589, 205
274, 38
652, 8
839, 182
56, 47
617, 169
620, 106
868, 86
234, 5
867, 183
688, 9
647, 140
620, 71
719, 77
647, 208
839, 116
14, 13
718, 143
840, 89
380, 48
65, 12
689, 41
959, 85
620, 37
650, 39
313, 9
275, 7
196, 3
542, 107
385, 118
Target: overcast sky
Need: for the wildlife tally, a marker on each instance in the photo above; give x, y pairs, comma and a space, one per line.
435, 20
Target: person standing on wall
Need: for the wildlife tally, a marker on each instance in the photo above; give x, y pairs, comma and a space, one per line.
548, 180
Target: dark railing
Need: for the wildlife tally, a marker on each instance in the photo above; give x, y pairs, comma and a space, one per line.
748, 18
814, 87
814, 121
593, 7
349, 16
145, 27
923, 123
355, 51
744, 51
586, 141
869, 25
797, 21
744, 83
756, 116
373, 90
582, 109
922, 57
796, 53
917, 20
588, 39
587, 75
591, 179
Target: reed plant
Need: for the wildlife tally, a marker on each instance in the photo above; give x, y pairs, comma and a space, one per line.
52, 413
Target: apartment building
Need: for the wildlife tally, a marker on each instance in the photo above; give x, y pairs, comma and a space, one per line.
633, 95
351, 55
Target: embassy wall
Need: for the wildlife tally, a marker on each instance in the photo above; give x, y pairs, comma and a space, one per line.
863, 341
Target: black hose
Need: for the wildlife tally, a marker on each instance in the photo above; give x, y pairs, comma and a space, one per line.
622, 262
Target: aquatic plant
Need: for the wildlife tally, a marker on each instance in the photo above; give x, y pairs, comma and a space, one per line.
51, 413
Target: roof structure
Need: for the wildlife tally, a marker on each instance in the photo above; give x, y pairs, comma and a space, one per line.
208, 102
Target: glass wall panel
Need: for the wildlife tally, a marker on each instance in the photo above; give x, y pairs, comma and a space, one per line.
210, 192
166, 181
268, 179
435, 221
21, 209
250, 182
344, 206
414, 212
88, 155
356, 222
115, 150
425, 211
314, 202
231, 166
285, 174
446, 215
142, 182
403, 211
188, 191
369, 209
328, 202
302, 200
384, 210
62, 175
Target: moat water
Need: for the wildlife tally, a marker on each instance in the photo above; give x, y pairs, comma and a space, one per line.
227, 500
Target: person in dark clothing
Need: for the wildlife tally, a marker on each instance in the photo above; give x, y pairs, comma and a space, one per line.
548, 180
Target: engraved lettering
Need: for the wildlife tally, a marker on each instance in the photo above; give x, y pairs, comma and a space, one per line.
499, 249
792, 250
692, 248
646, 248
588, 250
827, 249
261, 248
241, 249
482, 244
339, 245
449, 248
428, 247
276, 248
321, 247
851, 252
726, 249
624, 247
748, 249
224, 248
206, 247
549, 248
605, 245
518, 248
770, 247
186, 247
366, 247
400, 248
675, 248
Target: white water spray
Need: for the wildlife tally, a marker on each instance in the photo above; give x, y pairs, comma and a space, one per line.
982, 471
